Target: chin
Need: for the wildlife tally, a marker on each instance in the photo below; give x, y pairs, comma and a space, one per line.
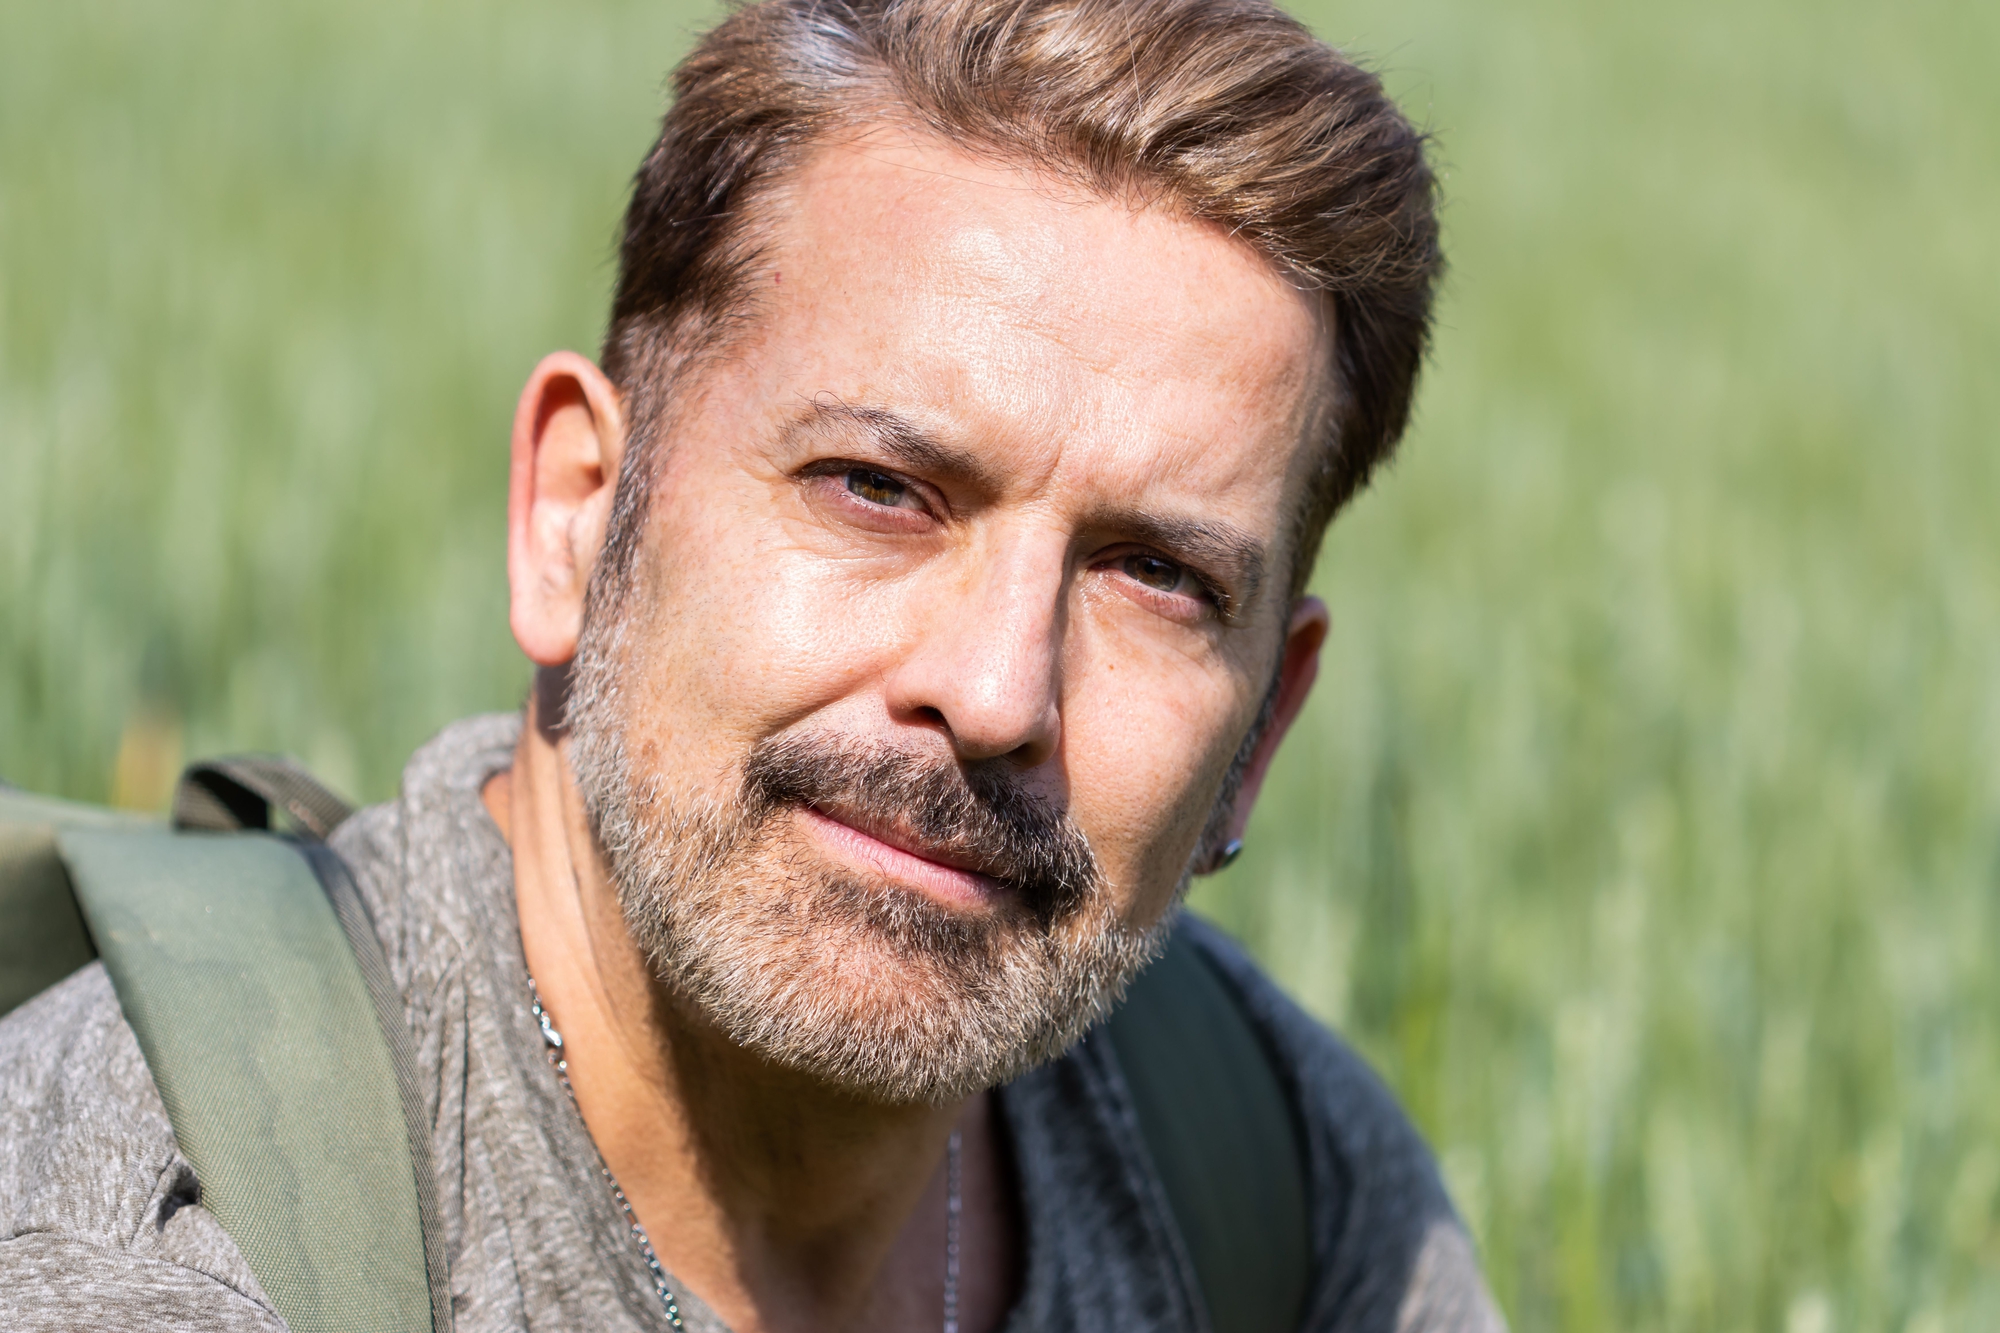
873, 987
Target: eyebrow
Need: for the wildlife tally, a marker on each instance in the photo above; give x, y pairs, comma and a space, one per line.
1224, 551
897, 437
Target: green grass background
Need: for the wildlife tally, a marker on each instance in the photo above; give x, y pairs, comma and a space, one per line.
1645, 830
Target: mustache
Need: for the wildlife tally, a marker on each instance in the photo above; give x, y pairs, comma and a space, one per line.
979, 814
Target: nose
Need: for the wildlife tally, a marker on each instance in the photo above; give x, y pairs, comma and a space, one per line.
984, 663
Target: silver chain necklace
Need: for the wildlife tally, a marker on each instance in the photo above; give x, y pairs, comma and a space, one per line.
952, 1204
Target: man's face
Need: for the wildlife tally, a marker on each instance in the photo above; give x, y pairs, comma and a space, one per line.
962, 582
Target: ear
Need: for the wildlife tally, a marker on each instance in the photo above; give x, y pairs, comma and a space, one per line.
1296, 673
569, 437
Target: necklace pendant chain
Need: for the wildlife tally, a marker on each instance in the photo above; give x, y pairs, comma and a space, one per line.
952, 1205
553, 1040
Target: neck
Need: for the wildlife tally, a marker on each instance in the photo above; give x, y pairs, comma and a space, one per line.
781, 1202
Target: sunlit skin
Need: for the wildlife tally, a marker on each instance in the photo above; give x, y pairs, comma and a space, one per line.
1001, 471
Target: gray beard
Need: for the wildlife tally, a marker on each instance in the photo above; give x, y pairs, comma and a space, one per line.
865, 986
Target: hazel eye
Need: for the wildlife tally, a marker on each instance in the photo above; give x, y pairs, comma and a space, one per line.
1156, 573
877, 487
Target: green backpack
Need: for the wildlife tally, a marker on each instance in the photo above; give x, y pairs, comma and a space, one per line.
246, 963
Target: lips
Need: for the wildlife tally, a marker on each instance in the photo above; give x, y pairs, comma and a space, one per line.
904, 839
965, 835
896, 852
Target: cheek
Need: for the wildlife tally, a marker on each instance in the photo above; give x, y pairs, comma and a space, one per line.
739, 628
1146, 751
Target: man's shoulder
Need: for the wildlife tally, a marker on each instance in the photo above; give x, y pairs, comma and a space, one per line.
426, 863
82, 1128
1388, 1249
99, 1212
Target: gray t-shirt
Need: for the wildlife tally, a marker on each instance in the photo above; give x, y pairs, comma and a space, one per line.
101, 1224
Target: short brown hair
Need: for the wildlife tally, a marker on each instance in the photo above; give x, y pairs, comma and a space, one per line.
1227, 111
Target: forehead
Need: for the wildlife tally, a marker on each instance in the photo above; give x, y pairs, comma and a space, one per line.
1076, 332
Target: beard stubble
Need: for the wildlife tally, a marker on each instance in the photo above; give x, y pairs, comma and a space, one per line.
863, 984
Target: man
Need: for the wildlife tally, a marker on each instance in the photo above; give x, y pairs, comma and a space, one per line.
916, 595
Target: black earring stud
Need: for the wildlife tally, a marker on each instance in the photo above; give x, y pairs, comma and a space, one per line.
1230, 851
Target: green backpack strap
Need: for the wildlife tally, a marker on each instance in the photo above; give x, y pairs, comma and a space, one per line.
1223, 1136
247, 967
238, 791
250, 972
45, 939
260, 1032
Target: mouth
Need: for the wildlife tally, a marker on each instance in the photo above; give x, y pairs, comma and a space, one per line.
948, 877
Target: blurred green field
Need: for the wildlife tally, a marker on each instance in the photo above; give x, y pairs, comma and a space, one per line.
1646, 828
